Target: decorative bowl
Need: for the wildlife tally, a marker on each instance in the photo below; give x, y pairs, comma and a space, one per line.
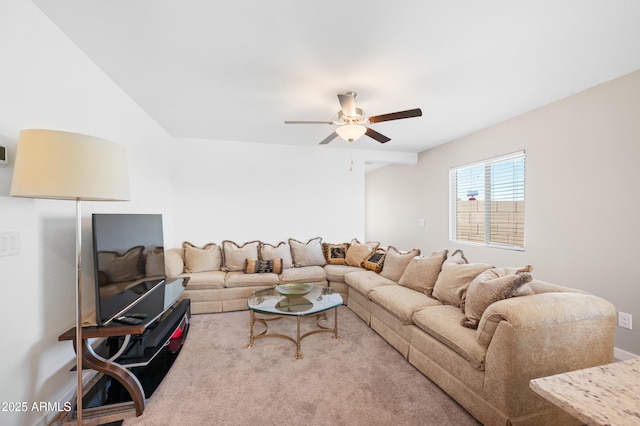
293, 290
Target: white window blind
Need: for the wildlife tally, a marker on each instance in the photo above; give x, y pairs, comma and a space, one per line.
487, 202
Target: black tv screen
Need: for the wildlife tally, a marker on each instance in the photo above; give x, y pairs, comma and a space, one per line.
128, 254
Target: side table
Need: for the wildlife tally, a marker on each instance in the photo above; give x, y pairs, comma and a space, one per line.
604, 395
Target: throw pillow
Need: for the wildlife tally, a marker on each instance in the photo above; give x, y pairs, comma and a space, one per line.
489, 287
200, 259
396, 261
335, 254
358, 252
255, 266
375, 261
455, 278
118, 267
422, 272
234, 255
280, 251
307, 254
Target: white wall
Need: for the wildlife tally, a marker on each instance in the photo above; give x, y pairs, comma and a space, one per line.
582, 209
47, 82
247, 191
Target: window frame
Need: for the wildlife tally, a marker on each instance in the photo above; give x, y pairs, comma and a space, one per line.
517, 186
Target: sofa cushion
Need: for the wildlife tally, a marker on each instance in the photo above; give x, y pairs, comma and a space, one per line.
396, 261
307, 254
305, 274
255, 266
543, 301
280, 251
365, 281
400, 301
335, 273
174, 262
375, 261
205, 280
422, 272
489, 287
200, 259
235, 255
455, 277
358, 252
335, 254
240, 279
443, 323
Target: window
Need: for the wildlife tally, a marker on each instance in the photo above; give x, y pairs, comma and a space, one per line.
487, 202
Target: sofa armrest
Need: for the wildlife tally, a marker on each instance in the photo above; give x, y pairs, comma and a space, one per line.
174, 262
541, 335
540, 309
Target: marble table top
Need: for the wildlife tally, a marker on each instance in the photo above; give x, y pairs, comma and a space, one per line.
603, 395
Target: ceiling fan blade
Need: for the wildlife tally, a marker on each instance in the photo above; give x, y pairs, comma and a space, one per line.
329, 138
377, 136
417, 112
307, 122
348, 103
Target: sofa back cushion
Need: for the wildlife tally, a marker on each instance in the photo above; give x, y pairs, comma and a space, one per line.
200, 259
455, 278
235, 256
396, 261
422, 272
307, 254
280, 251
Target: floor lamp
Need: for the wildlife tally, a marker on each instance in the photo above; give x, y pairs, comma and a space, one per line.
70, 166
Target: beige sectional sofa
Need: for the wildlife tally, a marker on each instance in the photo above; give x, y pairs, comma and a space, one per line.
477, 331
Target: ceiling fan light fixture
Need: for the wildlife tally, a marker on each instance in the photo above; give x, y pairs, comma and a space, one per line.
351, 132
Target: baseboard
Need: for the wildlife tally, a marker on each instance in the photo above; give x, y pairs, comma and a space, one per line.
621, 355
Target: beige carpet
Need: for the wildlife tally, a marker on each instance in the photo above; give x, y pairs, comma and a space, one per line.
356, 380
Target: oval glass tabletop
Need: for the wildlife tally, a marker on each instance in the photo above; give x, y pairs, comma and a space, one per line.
272, 301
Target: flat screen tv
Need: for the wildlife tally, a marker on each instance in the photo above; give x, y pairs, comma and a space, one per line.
128, 251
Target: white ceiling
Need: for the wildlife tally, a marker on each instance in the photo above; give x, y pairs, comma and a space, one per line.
235, 70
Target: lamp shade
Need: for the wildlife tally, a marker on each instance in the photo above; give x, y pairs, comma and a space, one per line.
69, 166
351, 132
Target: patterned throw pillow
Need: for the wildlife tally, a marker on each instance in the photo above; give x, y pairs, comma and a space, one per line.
375, 261
489, 287
255, 266
335, 254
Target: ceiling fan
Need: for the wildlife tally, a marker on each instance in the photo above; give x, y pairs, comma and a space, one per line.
352, 121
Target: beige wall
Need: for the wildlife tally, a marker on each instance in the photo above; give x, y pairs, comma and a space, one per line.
582, 170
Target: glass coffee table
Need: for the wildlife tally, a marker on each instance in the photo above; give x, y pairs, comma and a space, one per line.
293, 300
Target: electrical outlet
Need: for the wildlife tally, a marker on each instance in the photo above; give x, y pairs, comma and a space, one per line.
9, 243
625, 320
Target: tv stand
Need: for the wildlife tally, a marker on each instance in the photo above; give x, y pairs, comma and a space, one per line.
131, 361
